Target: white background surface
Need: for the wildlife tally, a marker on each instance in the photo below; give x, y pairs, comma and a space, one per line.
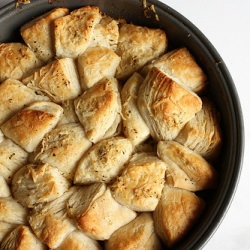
226, 23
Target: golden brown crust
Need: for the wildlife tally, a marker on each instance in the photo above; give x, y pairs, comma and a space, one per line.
27, 127
38, 33
203, 134
12, 212
62, 148
34, 184
138, 45
140, 184
14, 96
176, 214
139, 234
98, 107
49, 221
96, 63
185, 168
22, 238
73, 32
95, 221
181, 66
104, 161
77, 240
16, 61
165, 105
57, 79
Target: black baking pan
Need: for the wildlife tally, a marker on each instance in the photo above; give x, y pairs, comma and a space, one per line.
180, 32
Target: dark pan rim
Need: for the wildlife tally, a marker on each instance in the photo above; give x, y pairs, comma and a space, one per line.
224, 198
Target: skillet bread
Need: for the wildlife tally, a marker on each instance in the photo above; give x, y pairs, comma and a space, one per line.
108, 136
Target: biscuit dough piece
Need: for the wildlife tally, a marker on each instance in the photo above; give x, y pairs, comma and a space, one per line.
176, 214
49, 221
97, 213
73, 32
140, 184
165, 105
34, 184
181, 67
139, 234
62, 148
97, 108
27, 127
185, 168
137, 46
38, 33
104, 161
202, 133
105, 33
96, 63
57, 79
17, 61
12, 157
134, 126
77, 240
22, 238
12, 212
14, 96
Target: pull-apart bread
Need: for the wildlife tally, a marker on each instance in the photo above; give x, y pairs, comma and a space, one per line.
165, 105
176, 213
49, 220
104, 161
98, 107
203, 133
78, 240
96, 63
185, 168
96, 212
140, 184
23, 238
138, 45
73, 32
105, 33
181, 66
57, 79
108, 137
38, 33
139, 234
134, 126
28, 126
17, 61
62, 148
34, 184
14, 96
